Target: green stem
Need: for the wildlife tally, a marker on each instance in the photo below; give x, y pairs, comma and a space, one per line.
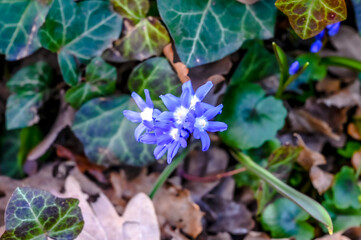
168, 170
305, 202
342, 62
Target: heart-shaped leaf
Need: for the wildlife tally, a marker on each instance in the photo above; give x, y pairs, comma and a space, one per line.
30, 86
34, 214
146, 39
19, 24
107, 136
78, 31
134, 10
284, 219
155, 74
206, 31
309, 17
100, 80
252, 118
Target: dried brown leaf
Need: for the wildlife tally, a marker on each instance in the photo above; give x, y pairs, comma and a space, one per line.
307, 157
328, 86
356, 160
180, 68
353, 131
248, 2
257, 236
335, 236
347, 97
321, 180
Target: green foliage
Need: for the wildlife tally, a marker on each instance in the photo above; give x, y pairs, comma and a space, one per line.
285, 219
257, 64
100, 80
134, 10
350, 148
252, 118
316, 71
156, 74
30, 87
78, 31
206, 31
107, 136
310, 17
14, 147
343, 200
34, 214
19, 24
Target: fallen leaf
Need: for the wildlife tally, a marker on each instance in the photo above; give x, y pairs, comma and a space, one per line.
184, 214
353, 131
347, 97
356, 160
321, 180
174, 234
335, 236
257, 236
328, 86
248, 2
307, 157
180, 68
221, 235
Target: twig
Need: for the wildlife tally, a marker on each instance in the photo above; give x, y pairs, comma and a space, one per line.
211, 178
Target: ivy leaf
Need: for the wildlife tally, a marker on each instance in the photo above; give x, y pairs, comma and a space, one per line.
309, 17
34, 214
14, 148
134, 10
285, 219
146, 39
155, 74
100, 80
252, 118
107, 136
30, 85
79, 31
206, 31
257, 64
19, 24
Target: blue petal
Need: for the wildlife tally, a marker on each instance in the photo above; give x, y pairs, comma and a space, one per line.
159, 151
188, 85
183, 142
149, 124
170, 101
203, 90
206, 142
199, 109
294, 68
163, 126
215, 126
156, 113
164, 139
185, 98
148, 138
132, 116
333, 29
316, 46
172, 151
139, 101
165, 116
196, 133
211, 113
148, 99
139, 130
320, 35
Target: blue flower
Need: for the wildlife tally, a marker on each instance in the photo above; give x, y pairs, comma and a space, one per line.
145, 117
169, 130
316, 46
333, 28
294, 68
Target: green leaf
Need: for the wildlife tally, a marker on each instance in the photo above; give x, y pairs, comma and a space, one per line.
146, 39
134, 10
309, 17
285, 219
19, 24
282, 62
257, 64
100, 80
315, 71
306, 203
350, 148
79, 31
30, 86
107, 136
252, 118
206, 31
346, 192
14, 147
155, 74
34, 214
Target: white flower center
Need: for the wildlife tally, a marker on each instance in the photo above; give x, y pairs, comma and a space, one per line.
194, 101
174, 133
180, 114
147, 114
201, 123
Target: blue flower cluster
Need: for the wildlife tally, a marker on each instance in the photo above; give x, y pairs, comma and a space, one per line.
169, 130
332, 30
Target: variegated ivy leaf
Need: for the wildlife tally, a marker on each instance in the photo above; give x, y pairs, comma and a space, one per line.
206, 31
34, 214
19, 24
146, 39
107, 136
79, 31
30, 86
310, 17
100, 80
134, 10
